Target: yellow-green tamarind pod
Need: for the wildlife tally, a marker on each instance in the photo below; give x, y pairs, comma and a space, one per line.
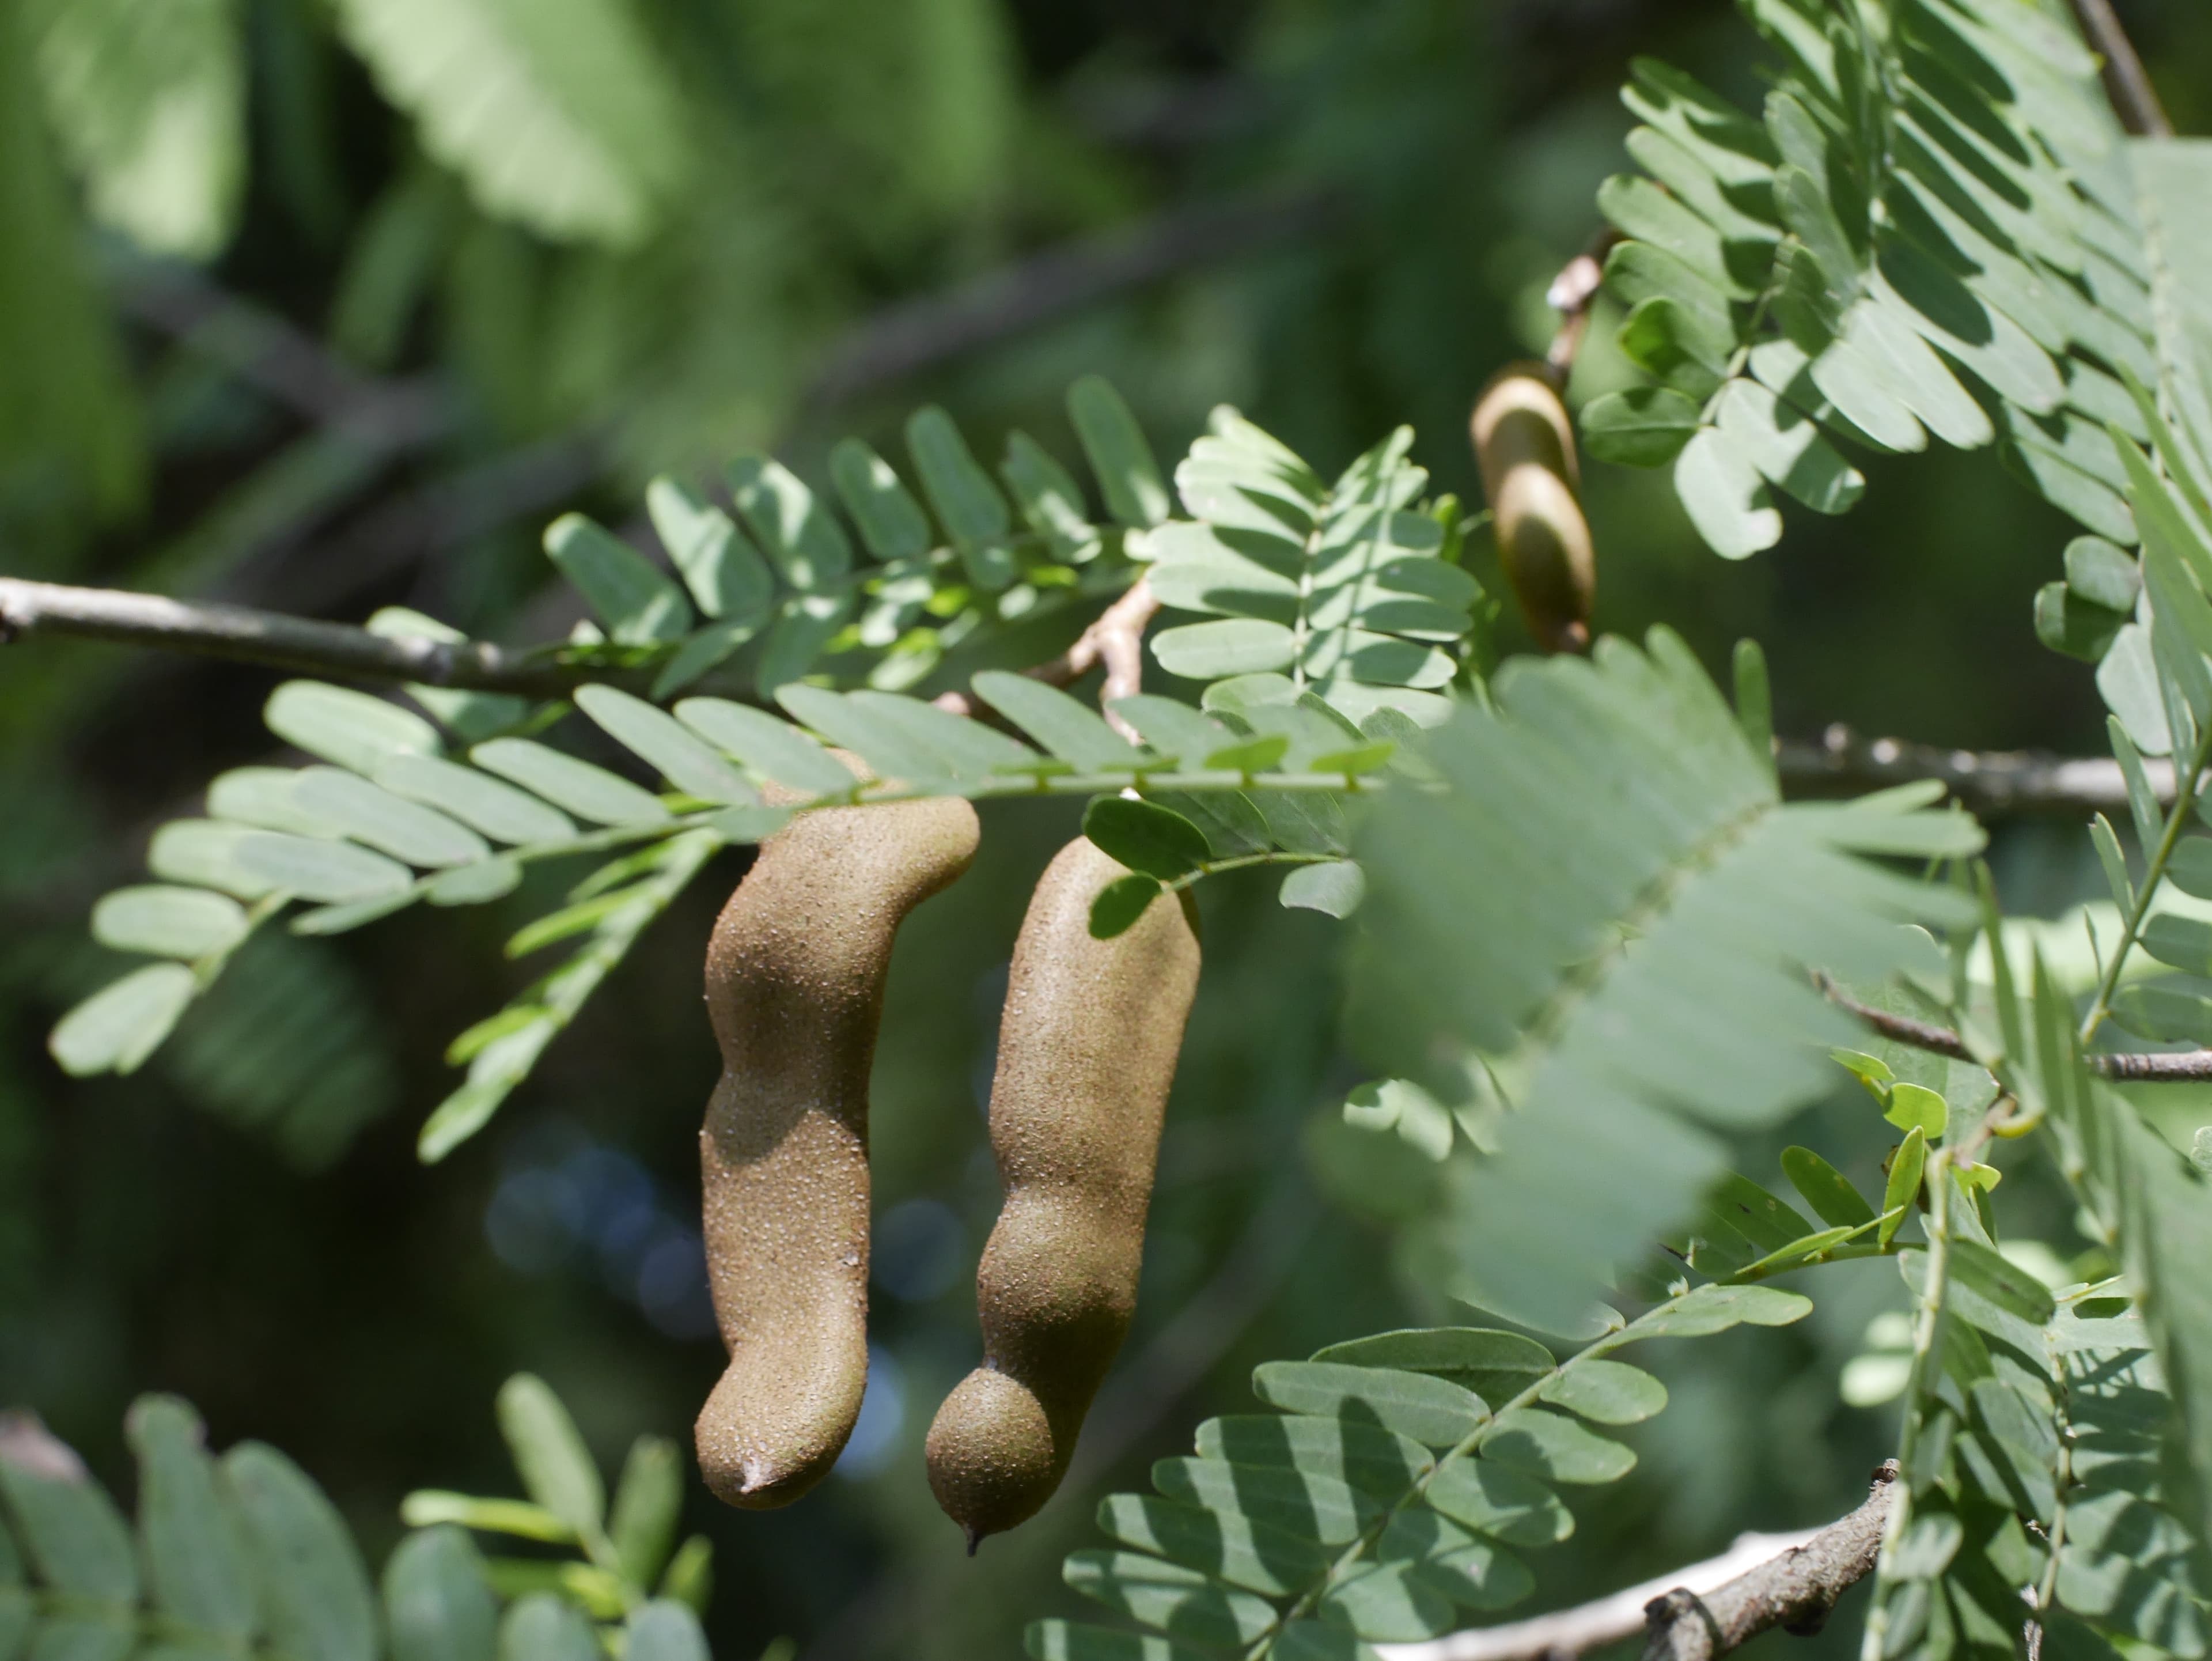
795, 977
1087, 1049
1524, 443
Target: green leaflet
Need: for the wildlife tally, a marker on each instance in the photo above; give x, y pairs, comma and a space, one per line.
1335, 1507
559, 116
1653, 816
1942, 190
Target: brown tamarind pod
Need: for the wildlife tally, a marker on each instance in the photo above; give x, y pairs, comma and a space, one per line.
795, 976
1087, 1049
1524, 442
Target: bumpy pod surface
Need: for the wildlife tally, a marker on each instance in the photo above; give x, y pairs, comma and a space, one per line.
1087, 1050
1524, 442
795, 977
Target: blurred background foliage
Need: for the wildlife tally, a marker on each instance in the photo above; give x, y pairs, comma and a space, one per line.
330, 304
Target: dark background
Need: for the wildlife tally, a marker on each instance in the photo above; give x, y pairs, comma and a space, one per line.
244, 1221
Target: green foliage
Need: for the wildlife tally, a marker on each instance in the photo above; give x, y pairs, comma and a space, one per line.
1934, 226
558, 115
148, 99
1332, 588
234, 1554
406, 809
1389, 1498
1577, 948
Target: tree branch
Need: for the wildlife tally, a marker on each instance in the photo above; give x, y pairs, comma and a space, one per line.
1700, 1612
1995, 782
248, 635
2135, 101
2169, 1066
1115, 638
919, 334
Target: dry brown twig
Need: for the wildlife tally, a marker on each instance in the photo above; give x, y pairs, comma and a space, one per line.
1703, 1610
1115, 639
2170, 1067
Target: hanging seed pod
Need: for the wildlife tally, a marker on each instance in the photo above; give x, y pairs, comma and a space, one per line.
1524, 443
1087, 1050
795, 977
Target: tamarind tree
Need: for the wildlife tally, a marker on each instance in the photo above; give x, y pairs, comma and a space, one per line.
1598, 952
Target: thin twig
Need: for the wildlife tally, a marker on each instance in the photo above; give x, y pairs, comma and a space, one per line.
1572, 293
2170, 1066
1990, 781
1697, 1613
919, 334
1115, 638
245, 635
282, 362
2135, 101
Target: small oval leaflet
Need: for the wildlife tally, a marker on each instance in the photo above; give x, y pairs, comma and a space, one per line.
1554, 1447
1156, 841
1271, 1561
1178, 1600
1366, 1456
1335, 887
1304, 1503
1503, 1504
1429, 1410
123, 1023
1607, 1392
165, 922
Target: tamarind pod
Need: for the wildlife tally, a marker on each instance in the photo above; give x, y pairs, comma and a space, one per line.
1524, 444
795, 975
1087, 1049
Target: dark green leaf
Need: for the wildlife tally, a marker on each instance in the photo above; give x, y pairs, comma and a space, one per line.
1367, 1457
1554, 1448
625, 590
1115, 444
318, 1604
1430, 1410
437, 1606
1229, 1547
1503, 1503
1121, 903
1179, 1602
1832, 1197
1642, 427
1607, 1392
1145, 836
725, 573
192, 1545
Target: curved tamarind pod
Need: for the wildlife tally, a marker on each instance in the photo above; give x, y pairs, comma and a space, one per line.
1524, 443
795, 977
1087, 1049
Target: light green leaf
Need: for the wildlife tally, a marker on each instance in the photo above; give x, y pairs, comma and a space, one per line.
807, 546
317, 1599
1429, 1410
194, 1551
499, 811
1493, 1500
428, 1507
725, 573
647, 1502
543, 1626
1366, 1456
121, 1024
684, 759
1215, 651
770, 746
1607, 1392
1300, 1501
76, 1539
1641, 427
168, 922
625, 590
349, 727
1496, 1365
1070, 730
1832, 1197
1179, 1602
588, 791
663, 1630
1727, 501
1271, 1561
890, 521
388, 823
1336, 887
148, 101
968, 503
1904, 1188
1554, 1448
437, 1606
548, 1452
1115, 443
558, 113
